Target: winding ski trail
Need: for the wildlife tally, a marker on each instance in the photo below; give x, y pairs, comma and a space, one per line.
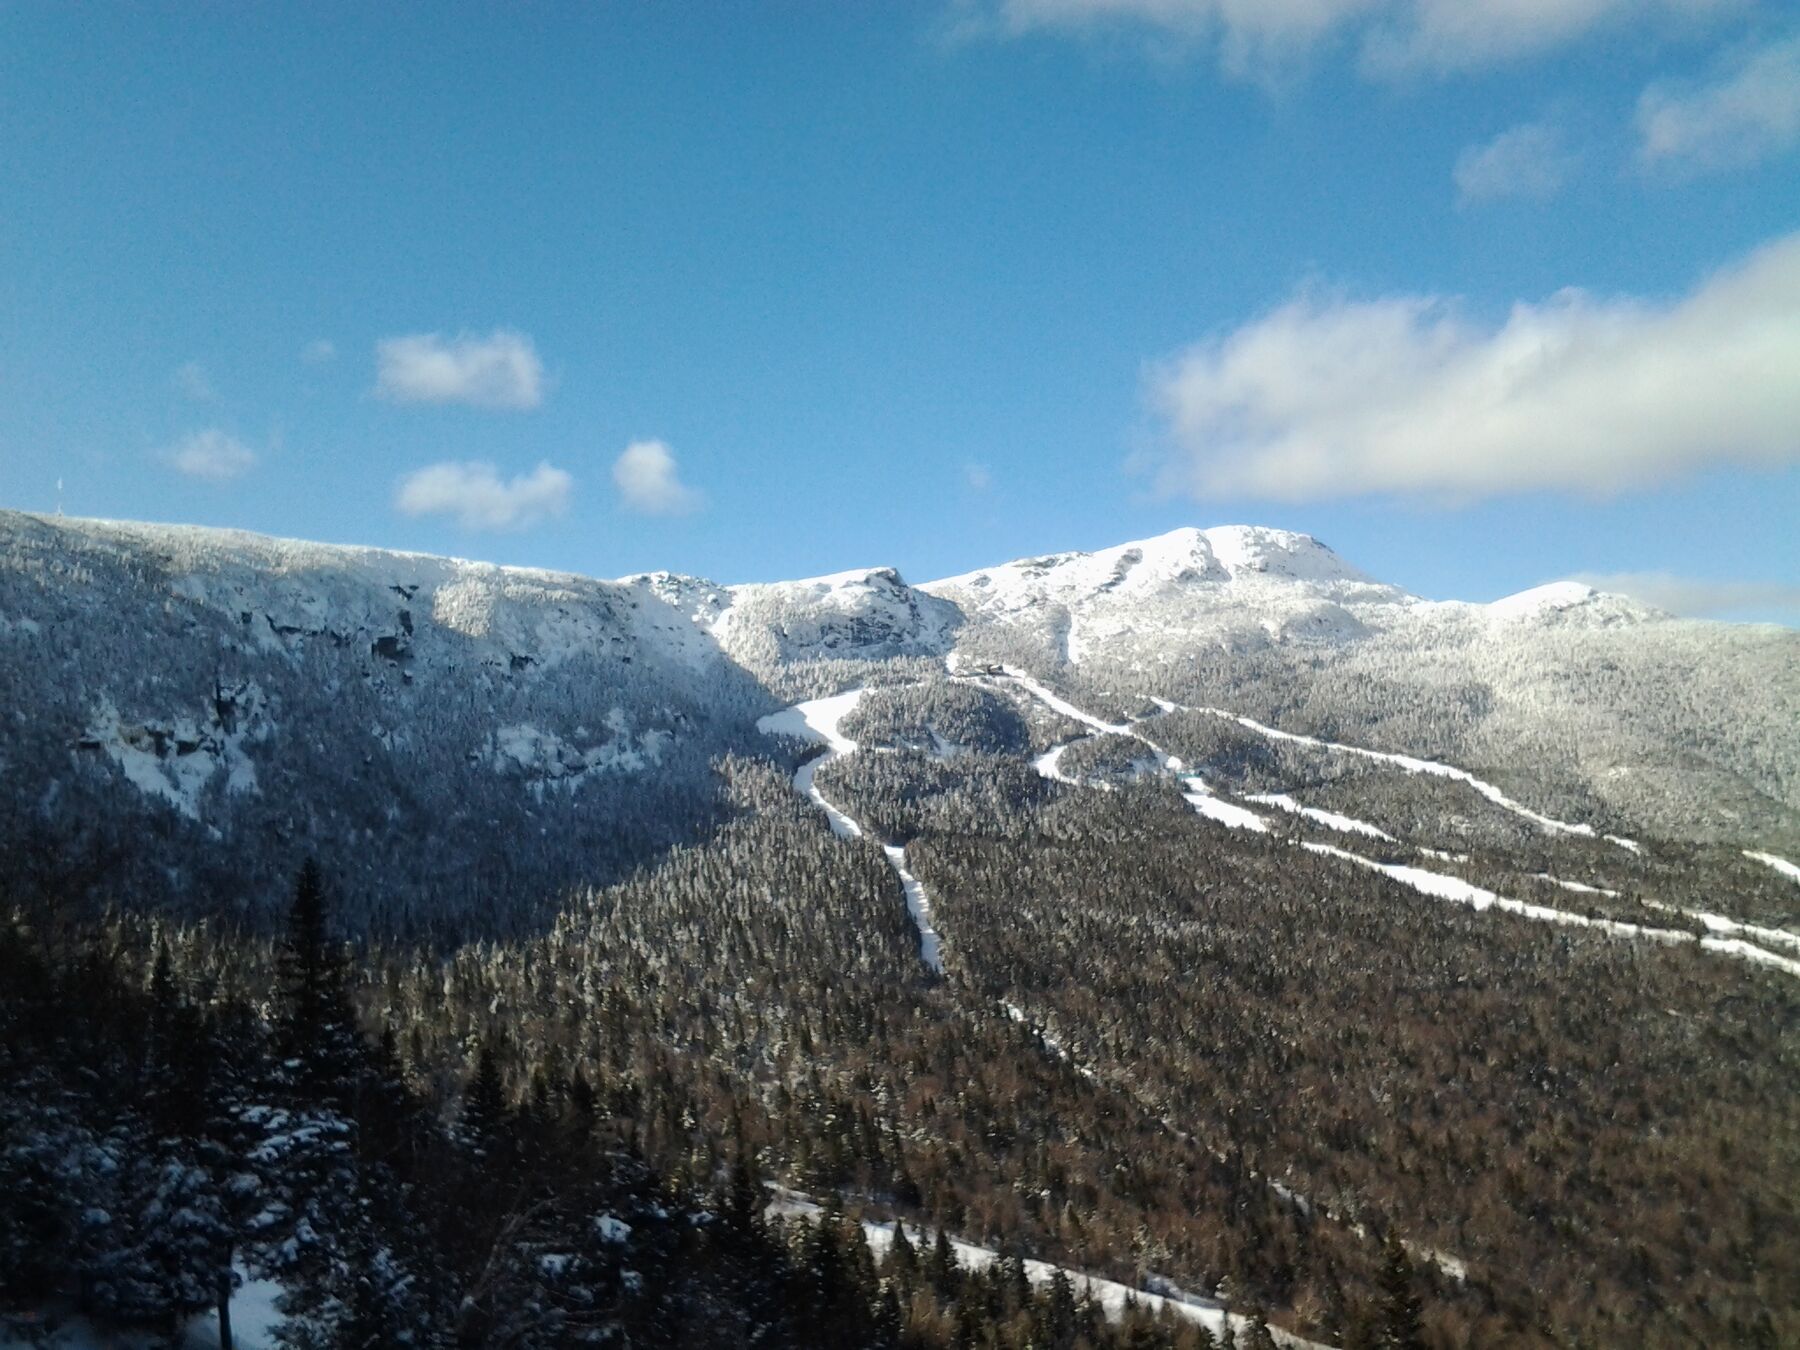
820, 720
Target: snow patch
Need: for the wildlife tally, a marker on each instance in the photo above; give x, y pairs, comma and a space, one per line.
548, 760
1331, 820
1781, 865
176, 759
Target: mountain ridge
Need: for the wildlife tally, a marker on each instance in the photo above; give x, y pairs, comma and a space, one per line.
266, 689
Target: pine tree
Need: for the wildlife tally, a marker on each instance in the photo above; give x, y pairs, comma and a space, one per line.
317, 1033
1401, 1310
485, 1114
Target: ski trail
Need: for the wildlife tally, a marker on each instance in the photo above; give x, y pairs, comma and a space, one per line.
1781, 865
1197, 794
1331, 820
1455, 889
1731, 936
1410, 763
1112, 1296
820, 720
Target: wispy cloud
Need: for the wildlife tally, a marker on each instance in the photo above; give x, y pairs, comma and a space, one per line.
1697, 597
477, 498
1395, 38
978, 477
499, 371
1748, 111
649, 480
1525, 161
319, 352
1328, 397
193, 382
212, 455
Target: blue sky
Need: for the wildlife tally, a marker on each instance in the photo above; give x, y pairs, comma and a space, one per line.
768, 291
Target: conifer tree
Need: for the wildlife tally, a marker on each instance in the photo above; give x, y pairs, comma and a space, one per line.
1401, 1327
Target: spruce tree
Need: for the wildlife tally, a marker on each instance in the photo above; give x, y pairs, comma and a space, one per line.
1401, 1309
317, 1033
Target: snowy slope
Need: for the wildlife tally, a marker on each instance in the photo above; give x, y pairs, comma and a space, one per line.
255, 700
260, 699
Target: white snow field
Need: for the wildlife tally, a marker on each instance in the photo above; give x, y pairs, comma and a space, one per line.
820, 720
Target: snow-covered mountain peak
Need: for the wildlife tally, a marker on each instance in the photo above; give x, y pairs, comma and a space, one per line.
1569, 599
1219, 554
1256, 550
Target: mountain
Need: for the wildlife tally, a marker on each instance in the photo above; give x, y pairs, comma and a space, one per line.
239, 699
1220, 928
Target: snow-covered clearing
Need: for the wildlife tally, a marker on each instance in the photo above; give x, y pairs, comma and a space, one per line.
1112, 1296
820, 720
1458, 891
918, 904
1202, 799
1781, 865
254, 1320
1331, 820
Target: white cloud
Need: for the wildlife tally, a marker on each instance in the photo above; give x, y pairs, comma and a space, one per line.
213, 455
1750, 111
1327, 397
479, 499
1697, 598
650, 481
193, 382
319, 351
1525, 161
1396, 37
1445, 36
978, 477
500, 370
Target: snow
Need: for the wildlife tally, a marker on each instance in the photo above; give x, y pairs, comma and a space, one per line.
1409, 763
820, 720
1331, 820
1579, 886
1047, 763
1458, 891
1112, 1296
1201, 798
1056, 703
613, 1229
176, 758
1781, 865
1197, 794
254, 1321
816, 720
1541, 600
548, 759
918, 904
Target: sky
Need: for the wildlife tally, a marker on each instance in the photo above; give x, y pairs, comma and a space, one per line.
1482, 293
